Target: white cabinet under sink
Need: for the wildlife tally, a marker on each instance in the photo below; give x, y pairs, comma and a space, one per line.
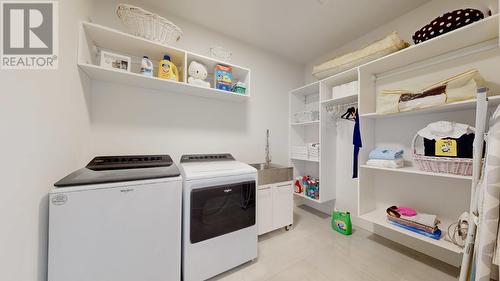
265, 209
274, 206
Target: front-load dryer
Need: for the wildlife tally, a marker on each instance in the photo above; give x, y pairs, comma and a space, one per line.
119, 218
219, 202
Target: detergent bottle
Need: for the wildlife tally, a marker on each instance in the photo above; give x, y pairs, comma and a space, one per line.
341, 222
167, 69
146, 67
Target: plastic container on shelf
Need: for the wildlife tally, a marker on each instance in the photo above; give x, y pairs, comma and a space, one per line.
306, 116
167, 69
146, 67
311, 187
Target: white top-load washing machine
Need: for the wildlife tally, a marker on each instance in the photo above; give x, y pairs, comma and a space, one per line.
119, 218
219, 229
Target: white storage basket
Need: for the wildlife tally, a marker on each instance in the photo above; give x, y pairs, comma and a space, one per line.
306, 116
447, 165
148, 25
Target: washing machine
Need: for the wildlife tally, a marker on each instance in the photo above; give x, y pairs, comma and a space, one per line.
119, 218
219, 202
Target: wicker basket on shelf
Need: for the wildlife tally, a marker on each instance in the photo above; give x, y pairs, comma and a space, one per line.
148, 25
446, 165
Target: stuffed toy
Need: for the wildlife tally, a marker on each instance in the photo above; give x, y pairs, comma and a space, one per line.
198, 74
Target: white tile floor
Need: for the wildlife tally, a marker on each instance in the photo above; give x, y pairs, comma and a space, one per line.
311, 251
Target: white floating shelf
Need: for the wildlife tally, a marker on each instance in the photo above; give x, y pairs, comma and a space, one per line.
94, 37
415, 171
470, 35
153, 83
342, 100
379, 217
305, 123
456, 106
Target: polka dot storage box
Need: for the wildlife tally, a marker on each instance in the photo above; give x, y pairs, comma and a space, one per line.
446, 23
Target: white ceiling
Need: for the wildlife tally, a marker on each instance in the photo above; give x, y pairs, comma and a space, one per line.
300, 30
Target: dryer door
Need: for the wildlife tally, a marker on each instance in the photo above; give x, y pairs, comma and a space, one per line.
222, 209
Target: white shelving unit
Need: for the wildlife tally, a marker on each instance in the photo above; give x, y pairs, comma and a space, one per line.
445, 195
334, 142
94, 37
301, 133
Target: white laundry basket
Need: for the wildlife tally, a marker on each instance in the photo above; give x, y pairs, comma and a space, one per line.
447, 165
148, 25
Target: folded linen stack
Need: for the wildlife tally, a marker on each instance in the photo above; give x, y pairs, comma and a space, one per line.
298, 152
313, 151
386, 158
408, 218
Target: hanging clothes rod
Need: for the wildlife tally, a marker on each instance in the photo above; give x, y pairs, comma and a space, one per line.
335, 111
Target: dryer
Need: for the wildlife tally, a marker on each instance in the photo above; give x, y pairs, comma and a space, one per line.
219, 214
119, 218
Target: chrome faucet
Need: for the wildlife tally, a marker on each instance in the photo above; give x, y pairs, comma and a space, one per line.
268, 157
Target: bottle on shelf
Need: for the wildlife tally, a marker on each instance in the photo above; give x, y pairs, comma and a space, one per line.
167, 69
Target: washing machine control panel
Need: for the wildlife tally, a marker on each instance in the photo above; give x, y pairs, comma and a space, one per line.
102, 163
206, 157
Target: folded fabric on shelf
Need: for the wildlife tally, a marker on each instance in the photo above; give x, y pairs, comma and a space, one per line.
427, 222
421, 102
445, 129
386, 153
427, 229
313, 151
460, 87
435, 235
394, 164
424, 219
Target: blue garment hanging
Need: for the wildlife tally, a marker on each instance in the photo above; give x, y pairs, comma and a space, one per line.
356, 141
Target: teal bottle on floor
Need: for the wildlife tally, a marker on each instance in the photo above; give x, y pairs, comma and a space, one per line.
341, 222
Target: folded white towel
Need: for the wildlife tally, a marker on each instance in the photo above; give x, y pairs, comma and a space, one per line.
398, 163
425, 219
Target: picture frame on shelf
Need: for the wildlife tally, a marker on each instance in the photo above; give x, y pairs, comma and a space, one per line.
115, 61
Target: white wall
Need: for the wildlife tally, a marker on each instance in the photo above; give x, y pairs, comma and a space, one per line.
405, 25
44, 126
133, 120
53, 123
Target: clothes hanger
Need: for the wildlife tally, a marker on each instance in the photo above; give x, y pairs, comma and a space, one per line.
350, 114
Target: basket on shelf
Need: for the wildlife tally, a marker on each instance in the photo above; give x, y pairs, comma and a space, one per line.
447, 165
148, 25
306, 116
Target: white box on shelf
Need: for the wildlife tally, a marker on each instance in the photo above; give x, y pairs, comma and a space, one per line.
115, 61
345, 90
